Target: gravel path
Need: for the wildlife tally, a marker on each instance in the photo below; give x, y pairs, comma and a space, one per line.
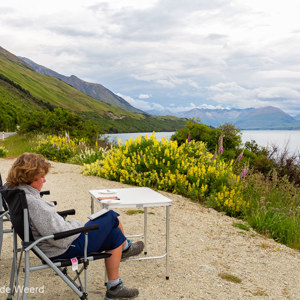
204, 247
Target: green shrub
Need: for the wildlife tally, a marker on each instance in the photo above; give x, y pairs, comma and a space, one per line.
198, 132
58, 122
259, 159
89, 155
58, 148
209, 135
3, 152
189, 170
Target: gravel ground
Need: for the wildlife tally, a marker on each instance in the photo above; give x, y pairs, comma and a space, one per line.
203, 246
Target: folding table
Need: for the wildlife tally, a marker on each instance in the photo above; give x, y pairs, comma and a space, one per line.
136, 197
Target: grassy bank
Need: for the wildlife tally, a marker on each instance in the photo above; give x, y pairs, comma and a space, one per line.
18, 144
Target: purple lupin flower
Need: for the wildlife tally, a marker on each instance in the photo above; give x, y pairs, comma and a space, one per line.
220, 143
221, 149
53, 145
241, 155
189, 138
244, 172
57, 148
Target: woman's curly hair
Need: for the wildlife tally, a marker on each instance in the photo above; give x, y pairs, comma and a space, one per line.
26, 168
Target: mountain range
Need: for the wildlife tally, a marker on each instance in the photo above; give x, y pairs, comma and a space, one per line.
251, 118
268, 117
30, 85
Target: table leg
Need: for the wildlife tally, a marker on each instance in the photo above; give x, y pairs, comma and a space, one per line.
105, 275
145, 228
167, 240
92, 205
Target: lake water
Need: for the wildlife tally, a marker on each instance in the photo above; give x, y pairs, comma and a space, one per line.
280, 138
266, 138
114, 138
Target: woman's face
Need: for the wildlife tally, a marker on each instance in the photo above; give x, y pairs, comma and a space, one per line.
38, 183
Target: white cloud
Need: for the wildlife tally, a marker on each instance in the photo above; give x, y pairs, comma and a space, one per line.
144, 96
190, 106
143, 105
279, 74
278, 92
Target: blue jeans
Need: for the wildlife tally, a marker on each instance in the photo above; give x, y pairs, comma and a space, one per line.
107, 237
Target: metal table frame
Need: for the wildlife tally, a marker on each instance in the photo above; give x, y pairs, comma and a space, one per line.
137, 197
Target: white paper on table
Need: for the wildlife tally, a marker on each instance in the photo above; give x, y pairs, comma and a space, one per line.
107, 201
106, 192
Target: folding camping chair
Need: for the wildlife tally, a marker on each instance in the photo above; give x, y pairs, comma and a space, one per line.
19, 215
4, 217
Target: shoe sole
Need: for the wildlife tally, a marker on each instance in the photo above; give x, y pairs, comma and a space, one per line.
106, 298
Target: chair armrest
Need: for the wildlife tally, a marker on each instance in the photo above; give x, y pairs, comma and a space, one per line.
64, 234
42, 193
65, 213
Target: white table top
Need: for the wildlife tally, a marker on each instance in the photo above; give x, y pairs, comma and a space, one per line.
131, 197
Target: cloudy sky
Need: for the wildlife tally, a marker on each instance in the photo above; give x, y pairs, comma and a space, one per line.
166, 53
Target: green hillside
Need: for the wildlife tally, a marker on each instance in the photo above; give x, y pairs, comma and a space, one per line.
94, 90
23, 90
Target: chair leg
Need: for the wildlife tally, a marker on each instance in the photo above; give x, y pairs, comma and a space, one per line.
1, 234
12, 278
26, 279
1, 226
13, 284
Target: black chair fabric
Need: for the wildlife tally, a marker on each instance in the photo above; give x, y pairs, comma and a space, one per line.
16, 201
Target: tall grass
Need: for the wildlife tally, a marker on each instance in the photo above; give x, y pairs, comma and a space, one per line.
286, 163
274, 207
18, 144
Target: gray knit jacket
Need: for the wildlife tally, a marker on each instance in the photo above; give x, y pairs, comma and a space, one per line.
44, 220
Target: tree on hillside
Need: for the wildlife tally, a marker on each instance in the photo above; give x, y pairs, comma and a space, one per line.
209, 135
9, 117
58, 122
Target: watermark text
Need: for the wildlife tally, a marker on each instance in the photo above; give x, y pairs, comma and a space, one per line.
20, 288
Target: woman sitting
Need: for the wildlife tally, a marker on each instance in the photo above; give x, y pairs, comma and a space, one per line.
28, 174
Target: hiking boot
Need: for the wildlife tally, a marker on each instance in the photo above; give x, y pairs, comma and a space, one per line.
133, 249
120, 291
